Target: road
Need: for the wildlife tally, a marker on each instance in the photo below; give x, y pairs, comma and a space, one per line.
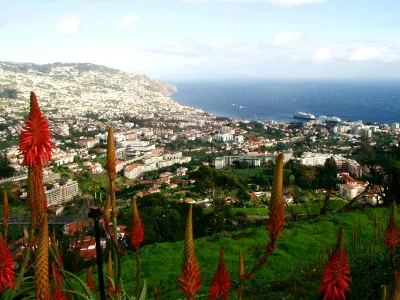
20, 220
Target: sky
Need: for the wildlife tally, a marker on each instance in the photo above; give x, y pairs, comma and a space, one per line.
209, 39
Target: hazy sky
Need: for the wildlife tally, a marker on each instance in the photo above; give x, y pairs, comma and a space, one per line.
209, 38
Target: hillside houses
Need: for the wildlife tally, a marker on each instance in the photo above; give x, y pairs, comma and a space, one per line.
351, 188
155, 163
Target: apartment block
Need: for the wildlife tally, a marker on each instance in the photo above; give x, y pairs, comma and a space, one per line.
62, 192
254, 160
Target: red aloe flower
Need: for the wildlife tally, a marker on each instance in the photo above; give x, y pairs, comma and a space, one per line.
189, 280
276, 216
137, 233
57, 294
335, 281
221, 282
55, 248
7, 269
89, 279
36, 143
391, 238
57, 284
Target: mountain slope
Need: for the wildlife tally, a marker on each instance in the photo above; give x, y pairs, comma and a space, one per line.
73, 89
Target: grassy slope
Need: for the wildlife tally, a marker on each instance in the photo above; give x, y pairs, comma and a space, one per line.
263, 211
161, 263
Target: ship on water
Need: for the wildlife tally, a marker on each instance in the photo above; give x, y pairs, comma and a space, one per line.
304, 116
324, 118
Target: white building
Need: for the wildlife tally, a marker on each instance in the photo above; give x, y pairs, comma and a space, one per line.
135, 147
223, 137
254, 160
239, 139
155, 163
319, 159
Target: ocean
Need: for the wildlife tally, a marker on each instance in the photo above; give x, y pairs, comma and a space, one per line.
370, 101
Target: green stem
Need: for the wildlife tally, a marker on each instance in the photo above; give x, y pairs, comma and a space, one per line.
117, 265
23, 266
137, 272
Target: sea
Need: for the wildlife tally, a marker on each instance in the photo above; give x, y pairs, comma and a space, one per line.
366, 100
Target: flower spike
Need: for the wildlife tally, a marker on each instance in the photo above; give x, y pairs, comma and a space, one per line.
392, 235
221, 282
276, 217
189, 280
35, 142
89, 279
111, 162
137, 233
7, 266
42, 262
335, 280
57, 284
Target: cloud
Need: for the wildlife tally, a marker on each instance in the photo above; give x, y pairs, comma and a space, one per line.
231, 11
322, 54
128, 21
283, 3
68, 24
291, 3
285, 38
366, 53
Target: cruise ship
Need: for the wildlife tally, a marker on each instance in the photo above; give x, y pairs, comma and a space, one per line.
303, 115
329, 119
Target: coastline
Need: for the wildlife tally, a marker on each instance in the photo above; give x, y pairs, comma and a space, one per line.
266, 101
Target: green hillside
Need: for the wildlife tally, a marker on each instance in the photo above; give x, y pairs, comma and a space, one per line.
300, 242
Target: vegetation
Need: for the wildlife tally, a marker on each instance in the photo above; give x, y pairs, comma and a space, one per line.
258, 129
9, 94
219, 183
5, 169
298, 254
300, 244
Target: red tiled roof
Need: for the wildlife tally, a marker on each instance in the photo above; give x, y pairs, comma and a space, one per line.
74, 227
348, 178
131, 167
349, 186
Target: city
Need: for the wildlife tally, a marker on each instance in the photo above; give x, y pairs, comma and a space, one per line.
163, 148
199, 149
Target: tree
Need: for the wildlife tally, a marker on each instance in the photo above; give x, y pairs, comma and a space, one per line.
9, 94
329, 176
5, 169
367, 154
221, 211
219, 182
390, 178
292, 179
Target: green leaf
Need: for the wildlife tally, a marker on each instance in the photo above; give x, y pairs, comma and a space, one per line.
83, 285
144, 291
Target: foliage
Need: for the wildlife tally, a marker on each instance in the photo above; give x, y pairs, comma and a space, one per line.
164, 220
300, 242
217, 182
9, 94
5, 169
258, 129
